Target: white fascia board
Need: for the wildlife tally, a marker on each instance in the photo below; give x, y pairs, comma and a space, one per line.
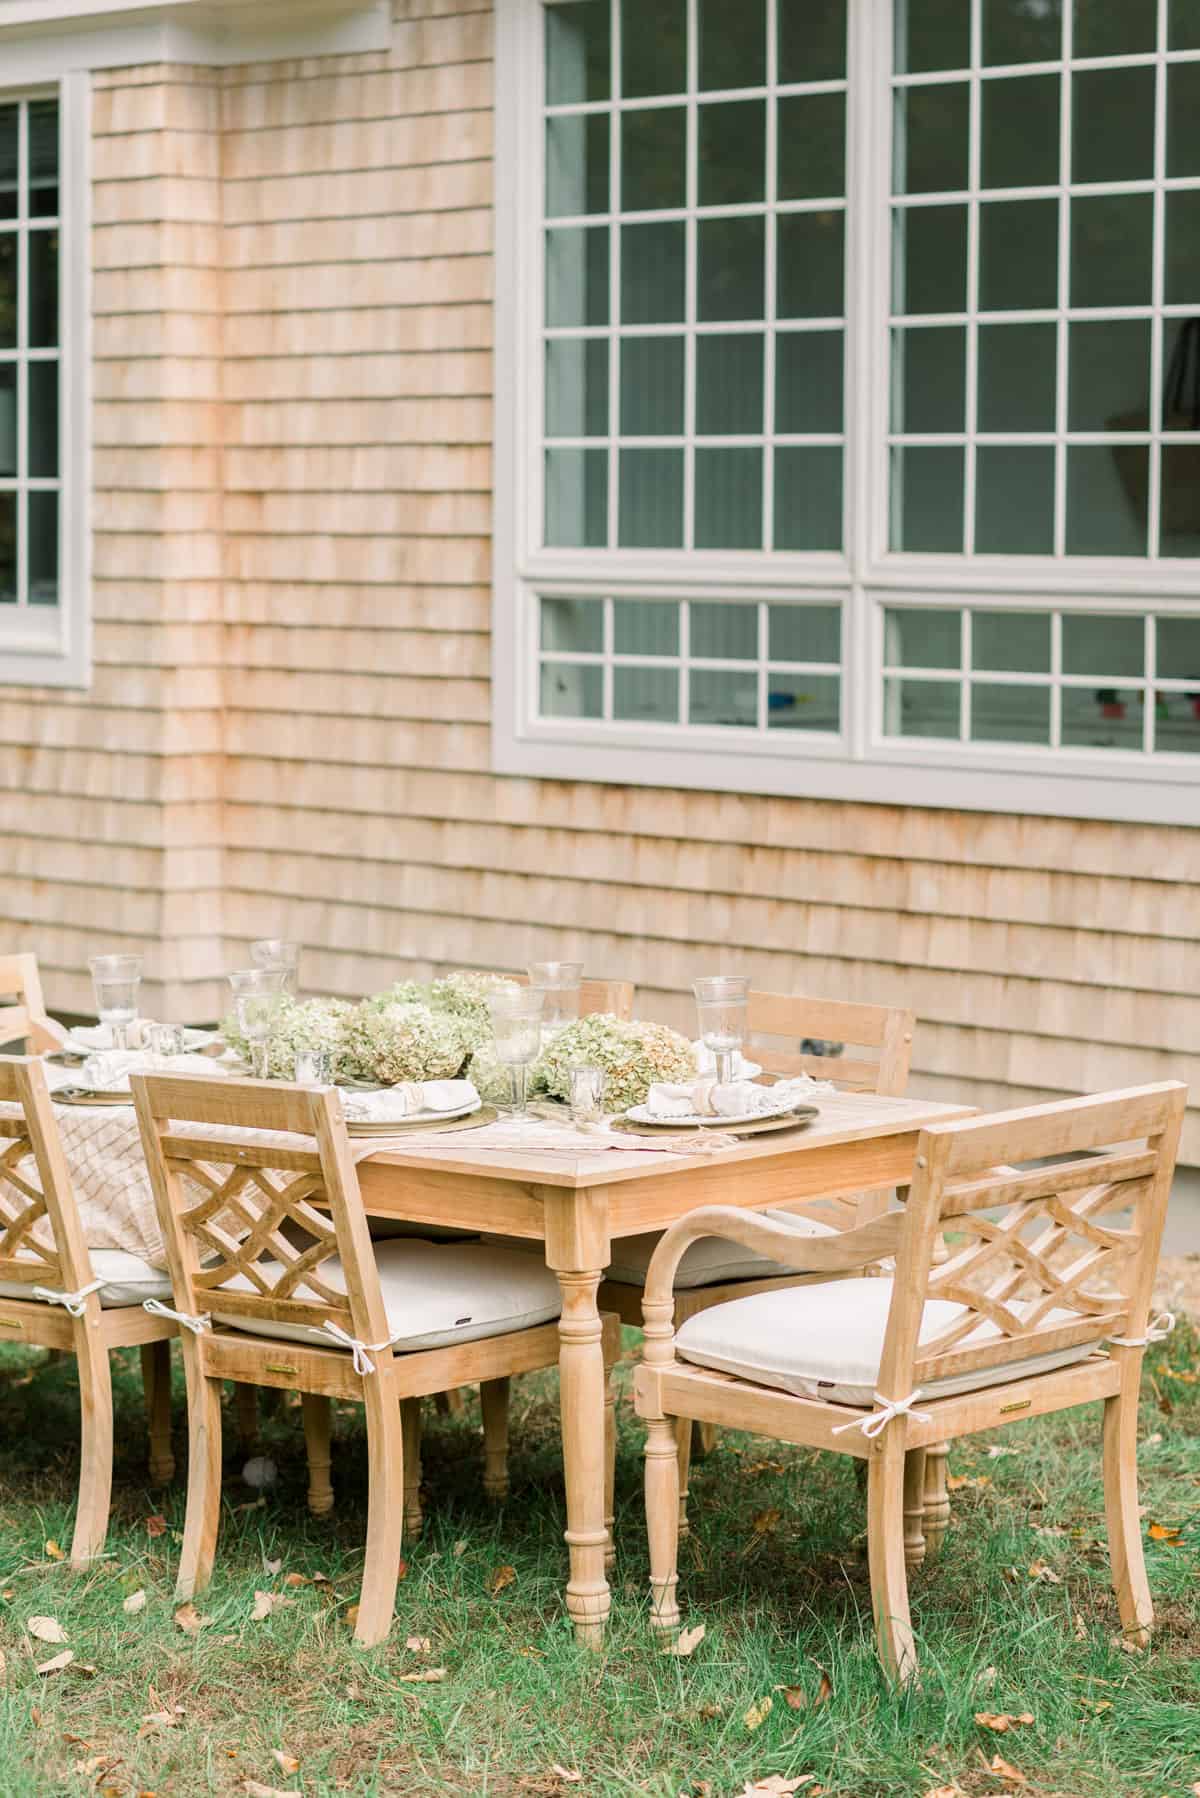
57, 35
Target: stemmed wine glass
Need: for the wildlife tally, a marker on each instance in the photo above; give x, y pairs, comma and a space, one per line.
116, 979
274, 952
516, 1026
256, 993
559, 983
721, 1007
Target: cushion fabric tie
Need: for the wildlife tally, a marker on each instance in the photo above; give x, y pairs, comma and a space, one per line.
360, 1350
878, 1421
74, 1302
1158, 1331
197, 1325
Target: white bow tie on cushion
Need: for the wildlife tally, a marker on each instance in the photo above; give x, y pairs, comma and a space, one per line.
395, 1103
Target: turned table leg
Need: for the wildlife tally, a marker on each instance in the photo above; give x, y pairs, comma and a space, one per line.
583, 1382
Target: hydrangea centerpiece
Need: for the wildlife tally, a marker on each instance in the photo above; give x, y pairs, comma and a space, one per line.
633, 1055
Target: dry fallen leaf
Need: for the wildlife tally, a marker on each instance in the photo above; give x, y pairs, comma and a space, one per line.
569, 1776
966, 1482
460, 1548
775, 1786
427, 1676
1126, 1645
254, 1789
350, 1616
287, 1763
1002, 1720
758, 1713
296, 1579
1040, 1571
764, 1467
134, 1603
766, 1521
797, 1699
156, 1526
46, 1629
1165, 1532
1006, 1770
686, 1642
189, 1620
58, 1663
943, 1792
1097, 1705
54, 1551
418, 1644
272, 1567
501, 1577
1081, 1633
161, 1720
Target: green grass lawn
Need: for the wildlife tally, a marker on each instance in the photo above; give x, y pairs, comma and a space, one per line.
1017, 1617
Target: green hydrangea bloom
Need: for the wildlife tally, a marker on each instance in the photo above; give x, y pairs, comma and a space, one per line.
633, 1055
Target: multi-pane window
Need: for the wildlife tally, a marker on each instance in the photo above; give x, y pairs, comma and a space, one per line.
857, 415
695, 180
29, 354
760, 666
1045, 394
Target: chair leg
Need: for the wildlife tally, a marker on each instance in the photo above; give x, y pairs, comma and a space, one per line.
885, 1552
96, 1449
1126, 1558
683, 1449
156, 1386
937, 1497
914, 1508
385, 1510
318, 1427
704, 1439
204, 1478
493, 1401
449, 1404
662, 1519
245, 1399
410, 1429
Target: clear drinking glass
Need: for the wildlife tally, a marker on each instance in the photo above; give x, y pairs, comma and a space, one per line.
256, 1008
516, 1026
559, 983
587, 1093
274, 952
312, 1067
167, 1039
256, 980
721, 1008
116, 979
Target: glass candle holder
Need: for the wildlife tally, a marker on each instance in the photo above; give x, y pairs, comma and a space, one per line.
721, 1001
587, 1093
312, 1067
167, 1039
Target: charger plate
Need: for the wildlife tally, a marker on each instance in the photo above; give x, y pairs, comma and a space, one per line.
75, 1095
796, 1119
487, 1114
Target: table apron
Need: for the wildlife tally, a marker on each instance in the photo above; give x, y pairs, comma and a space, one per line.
456, 1201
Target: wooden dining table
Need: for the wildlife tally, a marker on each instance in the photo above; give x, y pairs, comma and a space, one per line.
576, 1205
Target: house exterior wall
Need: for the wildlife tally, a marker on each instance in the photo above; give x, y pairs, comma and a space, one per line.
287, 730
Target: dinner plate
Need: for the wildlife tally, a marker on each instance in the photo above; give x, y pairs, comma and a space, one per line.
795, 1119
693, 1120
474, 1119
358, 1126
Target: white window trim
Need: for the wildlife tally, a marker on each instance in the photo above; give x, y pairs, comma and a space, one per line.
863, 764
50, 646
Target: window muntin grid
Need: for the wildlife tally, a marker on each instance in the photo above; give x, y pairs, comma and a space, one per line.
29, 354
764, 667
1046, 219
1045, 677
694, 288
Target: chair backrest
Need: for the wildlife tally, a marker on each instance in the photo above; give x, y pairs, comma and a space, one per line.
615, 996
1036, 1256
24, 1019
232, 1201
35, 1185
778, 1023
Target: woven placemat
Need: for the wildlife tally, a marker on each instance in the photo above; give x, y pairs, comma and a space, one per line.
788, 1120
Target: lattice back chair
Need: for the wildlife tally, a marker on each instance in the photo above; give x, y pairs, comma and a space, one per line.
777, 1024
277, 1283
22, 1008
57, 1295
1044, 1270
595, 996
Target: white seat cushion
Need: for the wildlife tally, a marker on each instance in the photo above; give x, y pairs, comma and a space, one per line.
434, 1294
825, 1342
709, 1262
128, 1280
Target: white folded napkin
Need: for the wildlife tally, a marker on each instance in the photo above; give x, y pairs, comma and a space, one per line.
705, 1098
706, 1062
109, 1071
392, 1104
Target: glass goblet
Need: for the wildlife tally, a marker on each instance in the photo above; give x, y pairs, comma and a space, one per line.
721, 1009
559, 983
116, 979
274, 952
516, 1026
